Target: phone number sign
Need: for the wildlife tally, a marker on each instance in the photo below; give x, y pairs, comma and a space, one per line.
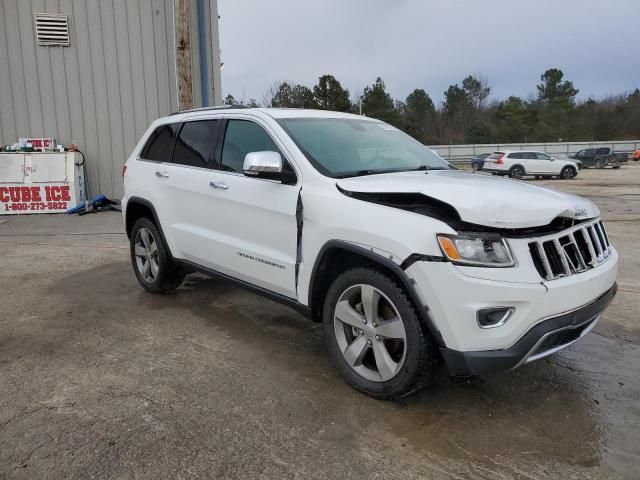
49, 198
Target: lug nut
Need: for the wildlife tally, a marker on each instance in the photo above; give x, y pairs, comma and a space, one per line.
374, 324
378, 338
364, 320
369, 342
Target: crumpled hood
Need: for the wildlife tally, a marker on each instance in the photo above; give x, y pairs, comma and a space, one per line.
481, 199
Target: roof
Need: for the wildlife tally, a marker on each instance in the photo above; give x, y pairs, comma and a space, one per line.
275, 113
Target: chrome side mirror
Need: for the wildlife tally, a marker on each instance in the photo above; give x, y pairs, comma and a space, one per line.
260, 163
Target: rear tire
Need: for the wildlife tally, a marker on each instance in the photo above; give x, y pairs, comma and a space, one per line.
375, 337
152, 264
517, 172
599, 164
475, 167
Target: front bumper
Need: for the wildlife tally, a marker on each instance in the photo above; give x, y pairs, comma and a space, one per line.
545, 338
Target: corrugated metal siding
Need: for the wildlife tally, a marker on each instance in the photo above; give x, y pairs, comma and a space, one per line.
103, 91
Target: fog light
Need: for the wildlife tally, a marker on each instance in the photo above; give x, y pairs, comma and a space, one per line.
494, 317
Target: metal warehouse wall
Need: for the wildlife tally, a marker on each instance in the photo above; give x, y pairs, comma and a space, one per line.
104, 90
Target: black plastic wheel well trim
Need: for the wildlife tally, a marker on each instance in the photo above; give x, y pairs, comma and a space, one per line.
423, 310
419, 257
156, 220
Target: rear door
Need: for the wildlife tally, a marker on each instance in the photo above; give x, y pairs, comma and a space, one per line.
188, 200
255, 219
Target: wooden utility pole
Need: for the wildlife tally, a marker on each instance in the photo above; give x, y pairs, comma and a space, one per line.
183, 54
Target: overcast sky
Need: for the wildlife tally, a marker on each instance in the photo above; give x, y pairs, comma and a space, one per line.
430, 44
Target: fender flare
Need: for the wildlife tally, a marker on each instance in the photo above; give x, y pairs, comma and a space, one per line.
156, 220
407, 284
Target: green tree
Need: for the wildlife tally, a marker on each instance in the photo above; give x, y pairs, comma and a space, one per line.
229, 100
377, 103
457, 112
477, 90
419, 116
555, 93
514, 120
328, 94
302, 97
283, 96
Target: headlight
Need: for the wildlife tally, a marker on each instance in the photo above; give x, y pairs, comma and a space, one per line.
476, 251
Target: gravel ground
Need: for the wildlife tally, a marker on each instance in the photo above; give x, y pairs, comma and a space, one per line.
102, 380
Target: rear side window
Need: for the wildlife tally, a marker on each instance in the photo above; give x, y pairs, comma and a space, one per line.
516, 155
196, 143
159, 147
243, 137
602, 151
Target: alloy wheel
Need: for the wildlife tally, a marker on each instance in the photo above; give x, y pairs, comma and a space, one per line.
146, 253
517, 173
370, 333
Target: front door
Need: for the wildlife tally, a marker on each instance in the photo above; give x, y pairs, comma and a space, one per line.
255, 219
546, 164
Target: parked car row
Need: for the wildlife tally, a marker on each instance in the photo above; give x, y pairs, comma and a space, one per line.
522, 163
518, 164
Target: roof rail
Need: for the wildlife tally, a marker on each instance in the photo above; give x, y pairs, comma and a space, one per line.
204, 109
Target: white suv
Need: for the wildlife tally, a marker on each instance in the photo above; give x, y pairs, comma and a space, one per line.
404, 259
521, 163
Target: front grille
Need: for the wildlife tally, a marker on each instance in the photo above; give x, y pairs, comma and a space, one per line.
574, 250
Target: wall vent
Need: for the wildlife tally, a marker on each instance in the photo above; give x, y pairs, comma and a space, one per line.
52, 29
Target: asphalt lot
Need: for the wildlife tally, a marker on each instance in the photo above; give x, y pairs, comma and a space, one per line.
99, 379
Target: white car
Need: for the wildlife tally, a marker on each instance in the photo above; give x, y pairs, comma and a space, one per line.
356, 225
521, 163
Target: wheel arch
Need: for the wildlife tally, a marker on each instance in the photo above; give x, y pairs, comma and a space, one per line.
139, 207
337, 256
517, 165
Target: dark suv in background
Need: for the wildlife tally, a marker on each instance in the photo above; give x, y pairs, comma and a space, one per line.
600, 157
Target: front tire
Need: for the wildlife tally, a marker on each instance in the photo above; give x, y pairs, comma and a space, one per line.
152, 264
599, 164
374, 335
475, 167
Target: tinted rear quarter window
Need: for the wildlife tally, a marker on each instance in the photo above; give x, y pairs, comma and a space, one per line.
517, 155
602, 151
159, 147
196, 143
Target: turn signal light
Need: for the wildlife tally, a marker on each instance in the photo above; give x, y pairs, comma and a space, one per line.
449, 248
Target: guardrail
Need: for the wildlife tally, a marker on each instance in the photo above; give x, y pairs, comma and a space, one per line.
464, 153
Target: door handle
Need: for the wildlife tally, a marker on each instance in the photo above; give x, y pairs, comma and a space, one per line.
162, 174
220, 185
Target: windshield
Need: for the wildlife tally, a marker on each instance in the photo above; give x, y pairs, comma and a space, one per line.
345, 147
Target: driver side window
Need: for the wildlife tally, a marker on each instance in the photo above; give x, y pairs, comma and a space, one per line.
242, 137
